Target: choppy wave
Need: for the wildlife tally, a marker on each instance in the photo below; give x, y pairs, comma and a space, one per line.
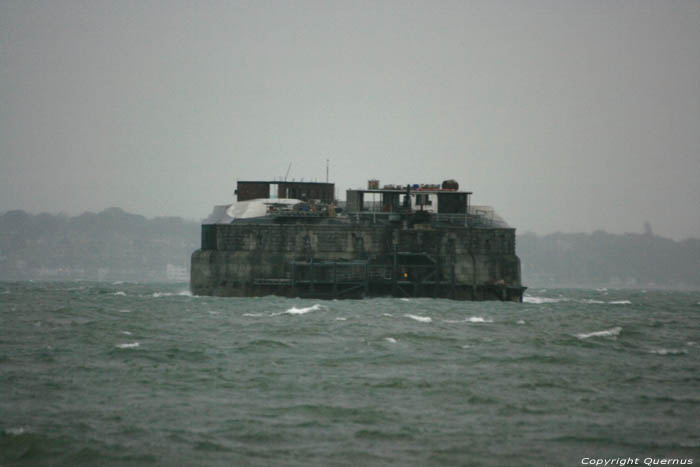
587, 301
540, 300
471, 319
422, 319
182, 293
302, 311
129, 345
390, 339
669, 351
120, 293
606, 333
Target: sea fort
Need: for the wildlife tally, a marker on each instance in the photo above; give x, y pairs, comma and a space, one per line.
290, 238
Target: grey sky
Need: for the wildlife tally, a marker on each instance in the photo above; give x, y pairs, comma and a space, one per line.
565, 116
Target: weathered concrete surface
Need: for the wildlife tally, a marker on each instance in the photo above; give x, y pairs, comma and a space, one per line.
479, 262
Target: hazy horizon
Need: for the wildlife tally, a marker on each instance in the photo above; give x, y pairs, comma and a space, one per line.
563, 116
519, 231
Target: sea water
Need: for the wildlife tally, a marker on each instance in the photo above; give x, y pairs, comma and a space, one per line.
147, 374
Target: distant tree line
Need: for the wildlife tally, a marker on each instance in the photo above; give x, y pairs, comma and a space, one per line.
601, 259
116, 245
110, 245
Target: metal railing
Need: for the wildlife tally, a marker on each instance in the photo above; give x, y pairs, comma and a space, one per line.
467, 220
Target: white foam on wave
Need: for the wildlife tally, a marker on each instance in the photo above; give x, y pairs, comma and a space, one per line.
125, 311
422, 319
521, 321
620, 302
390, 339
253, 315
478, 319
669, 351
182, 293
540, 300
131, 345
387, 314
302, 311
214, 312
606, 333
120, 293
15, 431
592, 301
405, 299
341, 319
127, 333
471, 319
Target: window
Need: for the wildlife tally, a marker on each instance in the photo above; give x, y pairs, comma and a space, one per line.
423, 200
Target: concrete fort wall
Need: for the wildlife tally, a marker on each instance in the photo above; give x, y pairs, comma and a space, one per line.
234, 255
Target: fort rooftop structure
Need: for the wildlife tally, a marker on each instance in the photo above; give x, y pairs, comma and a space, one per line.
292, 239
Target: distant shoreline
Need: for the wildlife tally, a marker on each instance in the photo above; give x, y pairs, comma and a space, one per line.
115, 245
